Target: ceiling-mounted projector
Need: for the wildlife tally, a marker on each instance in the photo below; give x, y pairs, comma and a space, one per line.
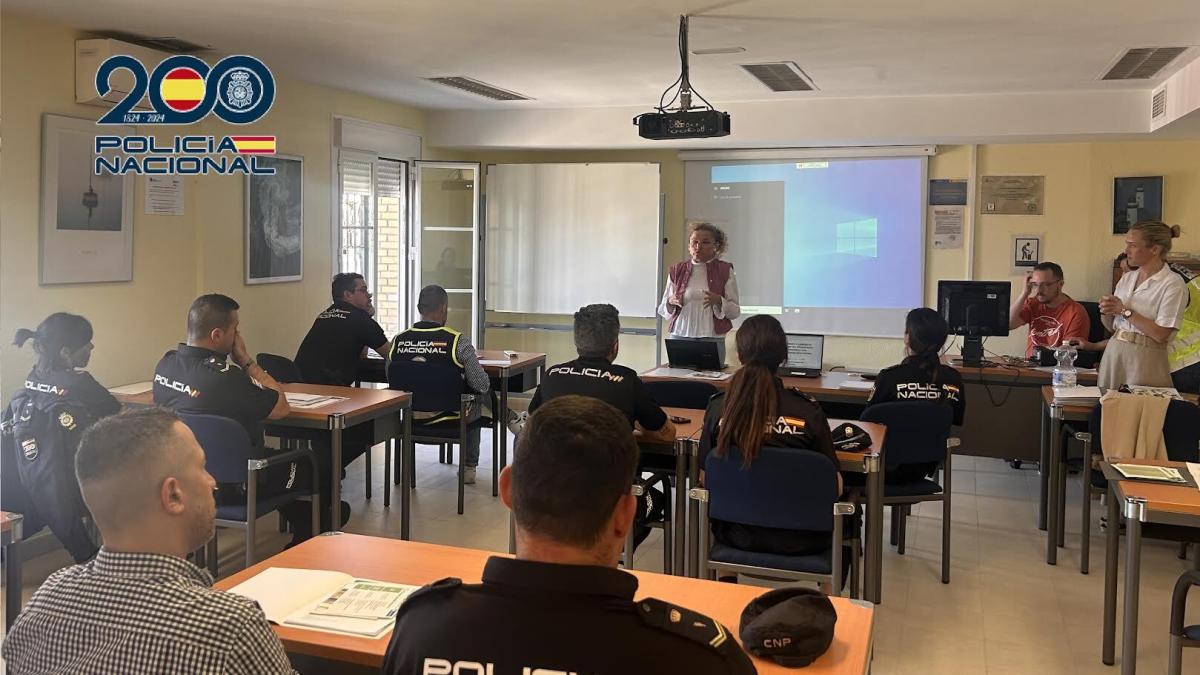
683, 120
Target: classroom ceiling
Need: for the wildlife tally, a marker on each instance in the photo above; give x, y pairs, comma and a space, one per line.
584, 53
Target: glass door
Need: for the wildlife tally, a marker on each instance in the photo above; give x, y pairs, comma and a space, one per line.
373, 228
446, 239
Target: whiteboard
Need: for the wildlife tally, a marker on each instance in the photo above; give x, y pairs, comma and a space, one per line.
561, 236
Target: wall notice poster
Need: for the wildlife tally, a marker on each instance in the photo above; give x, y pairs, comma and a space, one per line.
948, 192
164, 195
1026, 252
1012, 195
946, 223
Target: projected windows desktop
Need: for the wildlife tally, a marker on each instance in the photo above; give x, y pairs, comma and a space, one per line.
831, 246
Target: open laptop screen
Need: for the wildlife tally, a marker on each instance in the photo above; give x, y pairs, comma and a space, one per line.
805, 352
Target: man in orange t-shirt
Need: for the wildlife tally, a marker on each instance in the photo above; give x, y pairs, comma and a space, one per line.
1052, 316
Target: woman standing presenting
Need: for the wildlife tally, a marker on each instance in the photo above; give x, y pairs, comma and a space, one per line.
701, 297
1144, 311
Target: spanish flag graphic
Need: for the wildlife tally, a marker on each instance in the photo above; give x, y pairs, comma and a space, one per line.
254, 145
182, 89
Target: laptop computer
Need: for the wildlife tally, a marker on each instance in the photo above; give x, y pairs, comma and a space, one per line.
699, 354
805, 353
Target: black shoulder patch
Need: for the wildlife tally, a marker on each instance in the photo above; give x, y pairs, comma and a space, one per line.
804, 395
685, 623
437, 589
219, 365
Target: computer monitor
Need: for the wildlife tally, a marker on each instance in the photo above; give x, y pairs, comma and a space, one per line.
974, 310
699, 354
805, 353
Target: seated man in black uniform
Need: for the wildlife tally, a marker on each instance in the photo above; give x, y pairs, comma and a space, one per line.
561, 606
331, 351
196, 377
430, 346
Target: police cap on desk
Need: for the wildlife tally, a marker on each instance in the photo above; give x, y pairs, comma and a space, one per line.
792, 626
850, 438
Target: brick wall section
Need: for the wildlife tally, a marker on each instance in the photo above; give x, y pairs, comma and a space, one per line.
389, 281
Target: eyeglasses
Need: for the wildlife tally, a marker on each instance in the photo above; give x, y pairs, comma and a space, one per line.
361, 289
1045, 284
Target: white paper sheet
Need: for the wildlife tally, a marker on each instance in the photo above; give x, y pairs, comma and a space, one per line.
132, 389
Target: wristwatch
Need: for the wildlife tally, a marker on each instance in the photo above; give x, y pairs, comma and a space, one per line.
1127, 313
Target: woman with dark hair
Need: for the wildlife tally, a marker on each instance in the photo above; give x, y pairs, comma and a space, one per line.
63, 343
921, 376
757, 411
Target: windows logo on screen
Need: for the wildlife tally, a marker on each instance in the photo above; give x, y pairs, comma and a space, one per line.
858, 237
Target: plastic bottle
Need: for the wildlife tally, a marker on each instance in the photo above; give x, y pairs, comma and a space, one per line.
1064, 372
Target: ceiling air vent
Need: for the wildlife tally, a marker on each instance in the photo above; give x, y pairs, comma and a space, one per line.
479, 88
1142, 63
1158, 104
782, 76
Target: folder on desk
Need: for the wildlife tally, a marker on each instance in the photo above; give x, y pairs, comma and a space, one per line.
324, 600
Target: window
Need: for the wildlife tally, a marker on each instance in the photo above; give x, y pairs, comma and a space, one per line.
858, 237
371, 231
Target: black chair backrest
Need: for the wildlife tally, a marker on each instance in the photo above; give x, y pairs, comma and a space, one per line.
916, 430
1181, 431
435, 386
681, 394
279, 367
786, 488
226, 445
1096, 331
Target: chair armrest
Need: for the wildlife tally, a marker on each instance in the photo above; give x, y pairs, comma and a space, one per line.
953, 442
1185, 583
1083, 436
844, 508
469, 409
638, 489
253, 465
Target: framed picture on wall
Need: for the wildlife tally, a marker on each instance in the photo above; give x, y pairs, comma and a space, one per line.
1135, 199
86, 229
275, 222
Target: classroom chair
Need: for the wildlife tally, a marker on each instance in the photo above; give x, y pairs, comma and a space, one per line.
438, 388
1181, 434
1181, 635
230, 458
917, 433
784, 488
680, 394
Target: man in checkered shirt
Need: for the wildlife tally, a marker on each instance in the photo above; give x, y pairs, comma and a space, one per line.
139, 606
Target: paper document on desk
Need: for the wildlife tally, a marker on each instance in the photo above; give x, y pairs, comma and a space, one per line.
667, 371
325, 600
1194, 469
309, 401
857, 385
495, 362
1076, 393
1164, 474
132, 389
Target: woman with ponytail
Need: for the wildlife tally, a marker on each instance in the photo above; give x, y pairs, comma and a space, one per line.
921, 376
757, 411
63, 343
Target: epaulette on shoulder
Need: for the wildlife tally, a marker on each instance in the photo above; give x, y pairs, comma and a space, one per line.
439, 588
804, 395
219, 365
685, 623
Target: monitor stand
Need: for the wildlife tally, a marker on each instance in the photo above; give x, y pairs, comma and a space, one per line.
972, 353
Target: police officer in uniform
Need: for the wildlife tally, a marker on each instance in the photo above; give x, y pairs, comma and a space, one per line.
569, 490
757, 411
48, 416
597, 328
438, 356
331, 351
197, 377
921, 376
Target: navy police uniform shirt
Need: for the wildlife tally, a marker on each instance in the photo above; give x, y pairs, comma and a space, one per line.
910, 382
199, 380
799, 423
596, 377
572, 619
76, 386
330, 352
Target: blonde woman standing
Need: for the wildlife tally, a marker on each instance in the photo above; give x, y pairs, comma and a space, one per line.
701, 298
1144, 311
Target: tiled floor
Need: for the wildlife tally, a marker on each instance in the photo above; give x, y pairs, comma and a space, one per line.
1005, 611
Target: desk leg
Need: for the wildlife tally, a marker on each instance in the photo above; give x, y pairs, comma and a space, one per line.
1044, 467
12, 577
502, 429
336, 424
1052, 466
1134, 514
873, 576
693, 513
1112, 546
679, 518
407, 456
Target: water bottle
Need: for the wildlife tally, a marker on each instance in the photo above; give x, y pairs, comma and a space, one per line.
1064, 372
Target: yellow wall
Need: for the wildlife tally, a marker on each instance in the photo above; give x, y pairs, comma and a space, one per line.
175, 258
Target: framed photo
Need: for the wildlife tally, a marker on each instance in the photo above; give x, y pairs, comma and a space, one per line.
86, 229
1135, 199
275, 222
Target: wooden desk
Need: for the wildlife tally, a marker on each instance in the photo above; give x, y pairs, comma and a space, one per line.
1139, 502
418, 563
10, 539
386, 408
